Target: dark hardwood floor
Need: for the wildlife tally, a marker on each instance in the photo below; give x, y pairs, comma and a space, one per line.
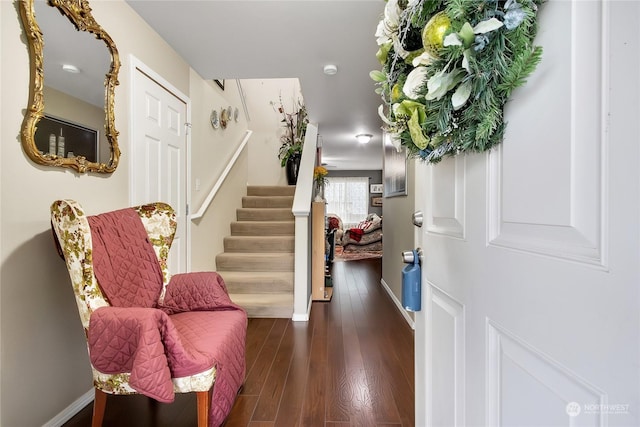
350, 365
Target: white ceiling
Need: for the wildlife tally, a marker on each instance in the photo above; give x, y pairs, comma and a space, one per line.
63, 44
283, 39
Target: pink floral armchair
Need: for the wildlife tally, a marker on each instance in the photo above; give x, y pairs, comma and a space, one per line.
208, 330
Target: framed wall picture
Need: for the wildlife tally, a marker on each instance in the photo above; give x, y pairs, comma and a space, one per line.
219, 83
376, 201
375, 188
394, 168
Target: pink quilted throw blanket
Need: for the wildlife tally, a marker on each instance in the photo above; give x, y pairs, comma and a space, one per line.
124, 261
144, 342
198, 291
155, 346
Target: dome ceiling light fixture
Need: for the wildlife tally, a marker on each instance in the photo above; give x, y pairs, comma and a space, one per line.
69, 68
364, 138
330, 69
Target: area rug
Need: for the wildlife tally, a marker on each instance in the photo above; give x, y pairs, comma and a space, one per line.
340, 255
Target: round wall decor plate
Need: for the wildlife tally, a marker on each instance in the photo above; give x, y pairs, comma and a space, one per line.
215, 122
224, 118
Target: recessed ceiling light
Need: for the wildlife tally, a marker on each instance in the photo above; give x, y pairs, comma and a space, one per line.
364, 138
330, 69
70, 68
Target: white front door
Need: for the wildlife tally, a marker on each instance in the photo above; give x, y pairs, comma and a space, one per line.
159, 157
531, 302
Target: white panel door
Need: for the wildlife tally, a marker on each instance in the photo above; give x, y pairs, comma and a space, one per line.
159, 156
531, 281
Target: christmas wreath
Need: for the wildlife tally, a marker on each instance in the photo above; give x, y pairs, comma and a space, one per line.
448, 67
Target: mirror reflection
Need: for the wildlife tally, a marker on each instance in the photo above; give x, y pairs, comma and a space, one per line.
75, 63
74, 73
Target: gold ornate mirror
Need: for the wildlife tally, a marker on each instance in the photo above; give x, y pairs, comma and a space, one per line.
70, 119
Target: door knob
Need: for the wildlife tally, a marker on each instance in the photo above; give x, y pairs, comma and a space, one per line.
409, 257
417, 218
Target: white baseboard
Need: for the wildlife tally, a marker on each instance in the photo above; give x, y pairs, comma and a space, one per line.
303, 317
398, 304
68, 412
300, 317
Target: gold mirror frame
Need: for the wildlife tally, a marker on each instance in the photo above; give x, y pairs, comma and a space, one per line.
79, 13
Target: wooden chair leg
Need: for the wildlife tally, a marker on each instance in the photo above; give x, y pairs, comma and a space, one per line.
99, 403
204, 402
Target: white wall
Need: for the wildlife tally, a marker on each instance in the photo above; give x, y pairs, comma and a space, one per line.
2, 14
43, 358
211, 151
265, 141
396, 214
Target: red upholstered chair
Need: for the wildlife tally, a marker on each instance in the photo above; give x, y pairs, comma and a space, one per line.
201, 332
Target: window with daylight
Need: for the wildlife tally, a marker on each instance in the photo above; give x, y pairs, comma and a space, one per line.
348, 198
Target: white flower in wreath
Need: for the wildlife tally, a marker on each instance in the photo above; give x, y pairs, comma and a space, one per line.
383, 117
415, 81
425, 58
399, 49
388, 26
382, 35
396, 141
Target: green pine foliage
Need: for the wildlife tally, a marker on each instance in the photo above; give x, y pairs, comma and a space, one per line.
459, 9
524, 63
426, 11
443, 115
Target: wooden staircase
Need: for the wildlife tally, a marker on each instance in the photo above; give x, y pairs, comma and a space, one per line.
258, 259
